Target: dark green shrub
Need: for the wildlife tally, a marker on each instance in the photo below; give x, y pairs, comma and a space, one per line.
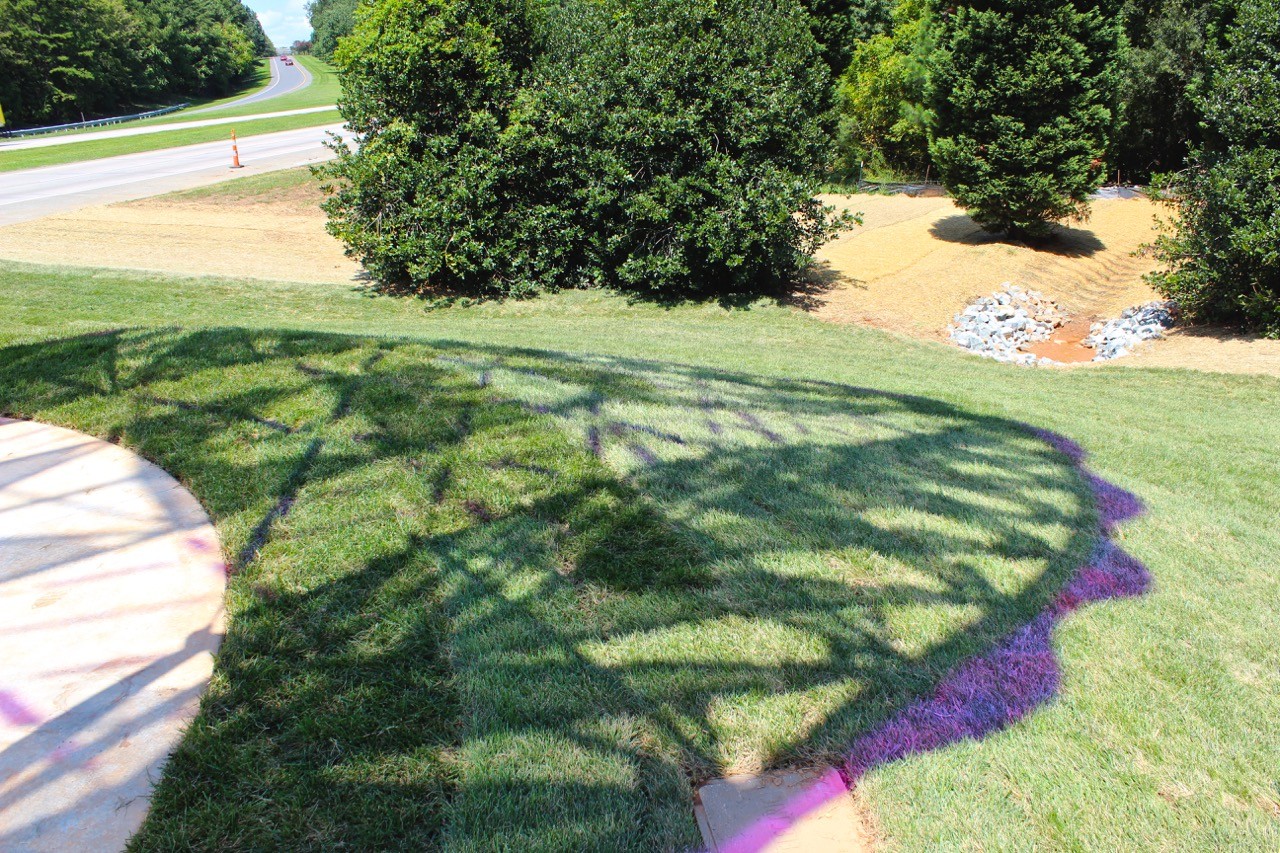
1023, 92
675, 146
670, 148
1224, 253
427, 85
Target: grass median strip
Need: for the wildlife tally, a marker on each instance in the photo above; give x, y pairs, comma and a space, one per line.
55, 155
322, 91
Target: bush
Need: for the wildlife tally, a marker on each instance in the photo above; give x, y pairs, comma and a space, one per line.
1023, 92
669, 148
1224, 253
675, 145
427, 86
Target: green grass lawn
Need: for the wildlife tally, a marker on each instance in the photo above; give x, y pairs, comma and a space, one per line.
516, 575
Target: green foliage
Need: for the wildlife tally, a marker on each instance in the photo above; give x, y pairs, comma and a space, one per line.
882, 118
427, 86
673, 144
665, 148
62, 58
1223, 255
839, 25
331, 20
1165, 57
1024, 96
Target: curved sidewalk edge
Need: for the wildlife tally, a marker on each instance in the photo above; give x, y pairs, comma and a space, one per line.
111, 609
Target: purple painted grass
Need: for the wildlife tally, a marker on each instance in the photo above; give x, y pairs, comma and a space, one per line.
644, 454
754, 424
994, 690
1115, 505
1060, 443
1000, 687
621, 428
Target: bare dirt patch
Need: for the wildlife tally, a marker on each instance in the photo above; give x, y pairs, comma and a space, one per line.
1216, 349
277, 236
915, 262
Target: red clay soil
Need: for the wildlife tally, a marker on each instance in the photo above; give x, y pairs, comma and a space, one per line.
1064, 346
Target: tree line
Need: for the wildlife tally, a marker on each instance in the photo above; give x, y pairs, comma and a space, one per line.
676, 147
331, 20
61, 59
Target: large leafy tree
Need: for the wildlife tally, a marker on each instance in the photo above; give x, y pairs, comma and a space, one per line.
1224, 253
331, 20
64, 57
1024, 95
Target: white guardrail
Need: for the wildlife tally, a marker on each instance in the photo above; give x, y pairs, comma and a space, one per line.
97, 122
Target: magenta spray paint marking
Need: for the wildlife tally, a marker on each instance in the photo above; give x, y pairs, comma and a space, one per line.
994, 690
16, 712
200, 544
824, 789
642, 453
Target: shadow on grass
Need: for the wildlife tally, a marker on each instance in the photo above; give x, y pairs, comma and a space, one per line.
503, 599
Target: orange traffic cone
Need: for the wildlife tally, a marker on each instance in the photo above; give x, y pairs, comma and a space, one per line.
235, 152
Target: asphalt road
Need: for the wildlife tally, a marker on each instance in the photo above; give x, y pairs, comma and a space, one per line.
33, 193
284, 79
48, 141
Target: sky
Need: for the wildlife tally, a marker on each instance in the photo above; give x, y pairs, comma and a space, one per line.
284, 20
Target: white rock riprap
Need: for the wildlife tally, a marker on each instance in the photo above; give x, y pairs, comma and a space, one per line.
997, 326
1116, 338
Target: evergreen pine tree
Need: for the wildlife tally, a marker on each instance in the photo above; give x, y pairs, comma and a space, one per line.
1023, 92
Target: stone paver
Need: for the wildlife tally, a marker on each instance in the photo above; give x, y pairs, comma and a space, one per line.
780, 812
111, 588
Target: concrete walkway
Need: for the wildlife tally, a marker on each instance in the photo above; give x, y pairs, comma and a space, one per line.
111, 586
